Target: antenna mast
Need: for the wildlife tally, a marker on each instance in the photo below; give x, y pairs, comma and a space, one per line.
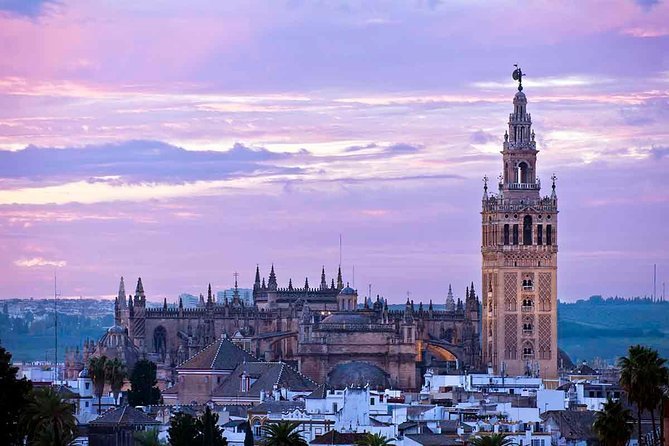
340, 250
654, 282
55, 327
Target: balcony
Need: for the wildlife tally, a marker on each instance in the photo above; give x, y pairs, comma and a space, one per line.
527, 332
528, 287
527, 308
524, 186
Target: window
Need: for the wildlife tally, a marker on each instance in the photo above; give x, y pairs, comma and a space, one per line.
528, 351
549, 234
506, 234
540, 234
515, 234
334, 407
527, 230
528, 285
371, 401
88, 385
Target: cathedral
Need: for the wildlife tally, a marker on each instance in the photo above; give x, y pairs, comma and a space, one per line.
327, 335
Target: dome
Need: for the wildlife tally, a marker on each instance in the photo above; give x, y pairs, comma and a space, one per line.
116, 329
358, 374
346, 318
83, 373
348, 291
520, 98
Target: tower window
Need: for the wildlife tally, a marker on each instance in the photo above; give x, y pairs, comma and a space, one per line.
549, 234
515, 234
527, 230
506, 234
523, 173
540, 234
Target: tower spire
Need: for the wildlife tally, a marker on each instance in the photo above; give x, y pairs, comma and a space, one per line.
324, 284
340, 282
256, 284
121, 295
271, 283
450, 301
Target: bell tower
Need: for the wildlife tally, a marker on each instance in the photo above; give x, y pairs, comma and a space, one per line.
519, 250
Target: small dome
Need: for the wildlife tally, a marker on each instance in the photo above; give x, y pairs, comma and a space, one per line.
83, 373
346, 318
116, 329
520, 98
348, 291
358, 374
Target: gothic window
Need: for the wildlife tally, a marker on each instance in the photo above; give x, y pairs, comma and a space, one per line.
506, 234
540, 234
515, 234
160, 340
549, 234
528, 351
527, 304
528, 285
527, 230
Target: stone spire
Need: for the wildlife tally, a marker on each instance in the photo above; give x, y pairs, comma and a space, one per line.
165, 303
210, 298
324, 284
306, 283
271, 283
340, 282
290, 284
121, 295
450, 301
140, 297
256, 284
332, 285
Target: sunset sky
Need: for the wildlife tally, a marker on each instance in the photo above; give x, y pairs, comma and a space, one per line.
184, 141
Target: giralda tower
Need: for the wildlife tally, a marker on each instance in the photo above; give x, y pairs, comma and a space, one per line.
519, 249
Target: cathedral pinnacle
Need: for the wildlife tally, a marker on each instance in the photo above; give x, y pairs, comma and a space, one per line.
209, 296
324, 283
257, 281
139, 290
271, 283
121, 294
450, 301
340, 282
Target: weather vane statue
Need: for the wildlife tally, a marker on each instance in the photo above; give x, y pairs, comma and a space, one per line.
518, 76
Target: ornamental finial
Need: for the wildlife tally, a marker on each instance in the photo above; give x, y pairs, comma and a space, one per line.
518, 76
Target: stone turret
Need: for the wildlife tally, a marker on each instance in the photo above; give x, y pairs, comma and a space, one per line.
450, 301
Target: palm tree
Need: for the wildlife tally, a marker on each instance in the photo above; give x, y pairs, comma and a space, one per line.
48, 419
614, 424
491, 440
98, 374
375, 440
283, 433
642, 375
115, 375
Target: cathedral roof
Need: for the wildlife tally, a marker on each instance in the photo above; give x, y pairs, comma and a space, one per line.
219, 355
263, 376
347, 291
124, 416
358, 374
346, 318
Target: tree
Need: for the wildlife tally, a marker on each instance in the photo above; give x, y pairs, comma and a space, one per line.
182, 430
115, 374
147, 438
97, 371
248, 434
283, 433
143, 390
14, 396
375, 440
491, 440
48, 419
209, 434
643, 374
614, 424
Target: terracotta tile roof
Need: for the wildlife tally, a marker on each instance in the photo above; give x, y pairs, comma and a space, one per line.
221, 354
334, 437
124, 416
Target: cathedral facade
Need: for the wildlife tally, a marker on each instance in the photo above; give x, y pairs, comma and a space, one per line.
315, 329
519, 250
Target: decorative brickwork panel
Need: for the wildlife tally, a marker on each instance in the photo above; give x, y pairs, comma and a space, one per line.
510, 291
544, 333
545, 291
510, 336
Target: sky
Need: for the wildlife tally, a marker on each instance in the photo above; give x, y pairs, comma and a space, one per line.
185, 141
